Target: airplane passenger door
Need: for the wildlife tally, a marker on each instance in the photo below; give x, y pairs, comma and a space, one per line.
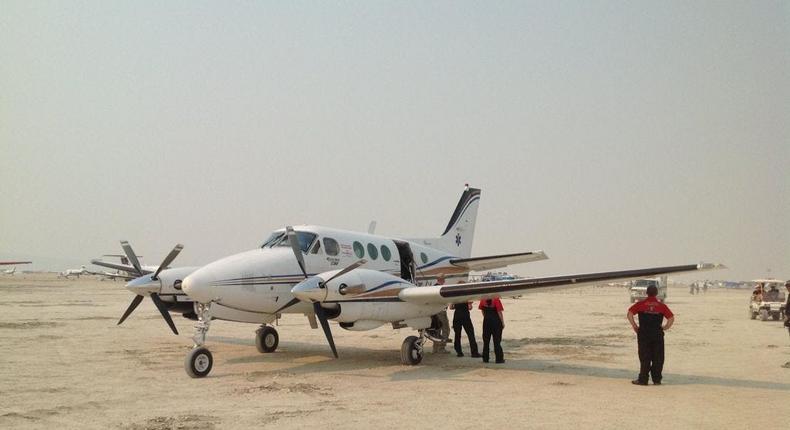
407, 268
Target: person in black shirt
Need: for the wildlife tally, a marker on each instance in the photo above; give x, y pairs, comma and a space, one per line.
462, 320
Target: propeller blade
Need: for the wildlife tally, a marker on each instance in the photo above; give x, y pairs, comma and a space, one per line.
319, 312
163, 310
347, 269
131, 256
132, 306
294, 241
169, 259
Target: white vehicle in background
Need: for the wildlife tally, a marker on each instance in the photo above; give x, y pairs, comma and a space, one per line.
638, 289
767, 299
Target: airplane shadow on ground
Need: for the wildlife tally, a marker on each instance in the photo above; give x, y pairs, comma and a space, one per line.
442, 366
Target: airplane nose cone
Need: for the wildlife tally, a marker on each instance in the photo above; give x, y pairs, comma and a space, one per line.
310, 290
144, 285
198, 286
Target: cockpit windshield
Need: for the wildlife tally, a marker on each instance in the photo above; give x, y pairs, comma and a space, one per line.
280, 238
273, 238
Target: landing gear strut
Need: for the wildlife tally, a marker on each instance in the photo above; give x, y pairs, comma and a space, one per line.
266, 339
199, 360
411, 351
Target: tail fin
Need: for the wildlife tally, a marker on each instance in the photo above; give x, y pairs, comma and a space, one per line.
460, 231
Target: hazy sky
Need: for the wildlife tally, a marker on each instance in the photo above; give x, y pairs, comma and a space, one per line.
609, 134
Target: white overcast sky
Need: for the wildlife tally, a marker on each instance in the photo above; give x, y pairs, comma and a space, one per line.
611, 134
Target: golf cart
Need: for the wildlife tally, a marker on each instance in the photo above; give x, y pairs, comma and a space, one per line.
767, 299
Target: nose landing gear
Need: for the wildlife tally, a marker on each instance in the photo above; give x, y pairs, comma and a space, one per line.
199, 360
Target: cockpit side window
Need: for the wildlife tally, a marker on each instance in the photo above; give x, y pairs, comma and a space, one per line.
316, 247
330, 246
305, 240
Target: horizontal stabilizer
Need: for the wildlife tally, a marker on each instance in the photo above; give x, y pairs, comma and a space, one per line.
498, 261
483, 290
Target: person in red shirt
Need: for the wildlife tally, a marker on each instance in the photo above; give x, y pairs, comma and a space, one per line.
493, 324
650, 335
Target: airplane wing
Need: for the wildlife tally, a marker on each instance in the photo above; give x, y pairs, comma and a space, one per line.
482, 290
124, 267
496, 261
127, 277
13, 263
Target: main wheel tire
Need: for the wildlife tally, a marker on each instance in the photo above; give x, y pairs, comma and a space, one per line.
752, 314
410, 352
763, 315
198, 362
775, 316
266, 339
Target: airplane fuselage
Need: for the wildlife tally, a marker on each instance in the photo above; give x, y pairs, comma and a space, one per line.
256, 285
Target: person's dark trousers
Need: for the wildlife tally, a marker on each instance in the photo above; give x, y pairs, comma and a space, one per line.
469, 328
492, 327
651, 358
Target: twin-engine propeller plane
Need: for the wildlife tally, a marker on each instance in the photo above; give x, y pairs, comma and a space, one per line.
317, 271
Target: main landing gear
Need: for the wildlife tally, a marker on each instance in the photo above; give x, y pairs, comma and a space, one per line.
411, 350
266, 339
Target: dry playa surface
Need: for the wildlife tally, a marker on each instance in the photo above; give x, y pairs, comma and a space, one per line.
570, 358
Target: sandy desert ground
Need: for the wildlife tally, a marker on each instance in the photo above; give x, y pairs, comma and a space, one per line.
570, 358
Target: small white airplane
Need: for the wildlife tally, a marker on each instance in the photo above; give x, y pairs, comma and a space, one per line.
12, 270
73, 272
296, 271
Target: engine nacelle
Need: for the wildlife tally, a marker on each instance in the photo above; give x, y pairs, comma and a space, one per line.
365, 297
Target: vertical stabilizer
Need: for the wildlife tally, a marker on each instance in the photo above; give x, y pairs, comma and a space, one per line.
460, 231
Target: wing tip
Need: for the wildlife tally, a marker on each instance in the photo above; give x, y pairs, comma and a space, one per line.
711, 266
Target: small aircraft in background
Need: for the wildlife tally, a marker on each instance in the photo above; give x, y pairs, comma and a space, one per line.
12, 270
73, 272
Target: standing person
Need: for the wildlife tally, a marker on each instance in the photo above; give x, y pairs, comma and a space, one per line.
493, 324
462, 319
787, 309
787, 315
650, 335
444, 329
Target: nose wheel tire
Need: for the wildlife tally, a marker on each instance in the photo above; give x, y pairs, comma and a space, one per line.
266, 339
411, 351
198, 362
